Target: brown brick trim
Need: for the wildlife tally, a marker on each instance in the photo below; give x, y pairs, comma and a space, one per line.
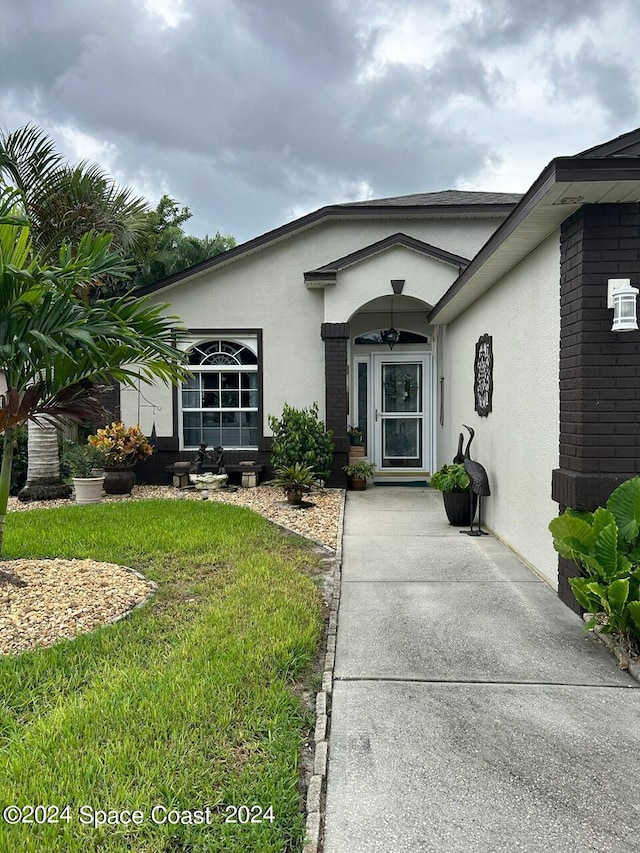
335, 330
583, 491
599, 369
336, 339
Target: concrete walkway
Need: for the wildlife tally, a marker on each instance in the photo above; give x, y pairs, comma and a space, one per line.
470, 711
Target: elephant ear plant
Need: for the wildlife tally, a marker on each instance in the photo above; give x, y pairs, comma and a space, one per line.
605, 545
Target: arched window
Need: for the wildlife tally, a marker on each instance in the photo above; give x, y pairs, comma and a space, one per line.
220, 401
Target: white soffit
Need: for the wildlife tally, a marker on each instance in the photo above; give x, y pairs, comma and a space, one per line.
559, 202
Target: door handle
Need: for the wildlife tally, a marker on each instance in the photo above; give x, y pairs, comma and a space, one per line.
377, 415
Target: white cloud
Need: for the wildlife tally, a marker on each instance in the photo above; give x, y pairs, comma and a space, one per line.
252, 112
172, 12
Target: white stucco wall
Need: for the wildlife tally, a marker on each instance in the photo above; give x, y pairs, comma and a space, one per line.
518, 442
266, 290
425, 278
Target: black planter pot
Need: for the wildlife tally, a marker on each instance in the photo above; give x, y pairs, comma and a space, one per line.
456, 505
119, 481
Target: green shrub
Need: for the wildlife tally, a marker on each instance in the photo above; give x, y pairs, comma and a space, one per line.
605, 545
19, 465
299, 437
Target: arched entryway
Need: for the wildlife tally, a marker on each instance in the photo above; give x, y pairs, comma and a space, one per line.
392, 388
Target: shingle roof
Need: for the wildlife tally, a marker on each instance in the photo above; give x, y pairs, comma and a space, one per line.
442, 198
625, 145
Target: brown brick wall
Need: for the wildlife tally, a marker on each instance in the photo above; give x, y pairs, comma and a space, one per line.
336, 338
599, 369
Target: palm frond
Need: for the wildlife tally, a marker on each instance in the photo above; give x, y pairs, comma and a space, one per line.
28, 158
83, 198
73, 404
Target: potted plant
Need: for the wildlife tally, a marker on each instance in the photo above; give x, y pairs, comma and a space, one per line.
355, 435
122, 447
358, 474
85, 466
295, 480
459, 501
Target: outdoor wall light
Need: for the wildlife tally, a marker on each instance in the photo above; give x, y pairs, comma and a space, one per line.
622, 298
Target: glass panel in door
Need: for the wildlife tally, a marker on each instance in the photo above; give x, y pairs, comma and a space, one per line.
402, 415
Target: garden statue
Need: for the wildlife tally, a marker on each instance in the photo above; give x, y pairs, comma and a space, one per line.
218, 457
208, 458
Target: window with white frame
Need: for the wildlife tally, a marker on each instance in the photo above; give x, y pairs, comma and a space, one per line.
220, 400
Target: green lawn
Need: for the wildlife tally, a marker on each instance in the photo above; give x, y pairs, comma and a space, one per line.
186, 705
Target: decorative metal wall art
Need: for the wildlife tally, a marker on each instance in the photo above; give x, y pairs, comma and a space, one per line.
483, 375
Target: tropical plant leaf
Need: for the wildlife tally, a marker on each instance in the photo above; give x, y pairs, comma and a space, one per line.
606, 550
600, 591
633, 555
624, 503
617, 594
633, 608
571, 536
601, 518
584, 514
584, 596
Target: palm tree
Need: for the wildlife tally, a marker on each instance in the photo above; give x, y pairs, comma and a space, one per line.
54, 344
63, 203
168, 249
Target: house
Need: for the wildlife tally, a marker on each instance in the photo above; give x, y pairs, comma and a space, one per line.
411, 316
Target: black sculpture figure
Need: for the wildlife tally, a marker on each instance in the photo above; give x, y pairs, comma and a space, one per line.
458, 459
479, 485
209, 459
218, 458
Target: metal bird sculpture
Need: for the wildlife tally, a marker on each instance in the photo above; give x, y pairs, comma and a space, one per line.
459, 457
479, 485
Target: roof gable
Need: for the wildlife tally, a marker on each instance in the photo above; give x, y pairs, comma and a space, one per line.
450, 203
327, 274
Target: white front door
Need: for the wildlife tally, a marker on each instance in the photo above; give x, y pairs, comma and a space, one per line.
401, 411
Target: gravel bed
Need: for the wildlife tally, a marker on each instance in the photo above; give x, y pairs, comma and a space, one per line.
43, 601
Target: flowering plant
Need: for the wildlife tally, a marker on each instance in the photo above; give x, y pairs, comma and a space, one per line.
355, 435
121, 446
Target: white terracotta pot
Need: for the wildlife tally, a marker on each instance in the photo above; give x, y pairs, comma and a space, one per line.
88, 490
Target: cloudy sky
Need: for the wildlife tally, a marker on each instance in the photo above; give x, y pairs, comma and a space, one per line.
254, 112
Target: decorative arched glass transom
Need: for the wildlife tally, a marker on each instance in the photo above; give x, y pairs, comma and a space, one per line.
220, 401
221, 352
375, 338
